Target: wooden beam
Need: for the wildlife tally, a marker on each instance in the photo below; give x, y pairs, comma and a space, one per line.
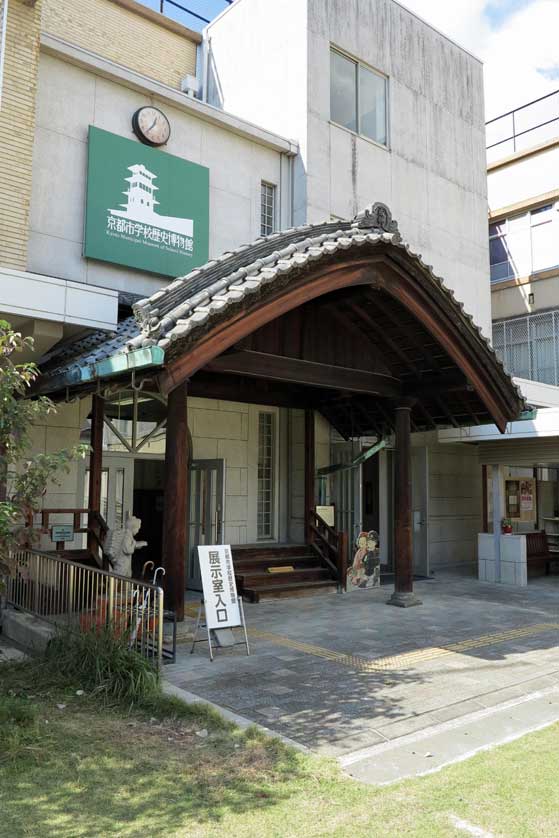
372, 328
95, 468
175, 512
309, 373
403, 595
309, 472
237, 388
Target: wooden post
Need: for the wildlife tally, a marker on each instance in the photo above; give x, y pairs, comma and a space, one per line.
309, 472
403, 595
175, 523
95, 469
485, 511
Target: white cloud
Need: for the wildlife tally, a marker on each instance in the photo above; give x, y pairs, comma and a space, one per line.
519, 54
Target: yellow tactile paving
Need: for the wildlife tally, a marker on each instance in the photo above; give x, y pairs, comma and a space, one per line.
405, 660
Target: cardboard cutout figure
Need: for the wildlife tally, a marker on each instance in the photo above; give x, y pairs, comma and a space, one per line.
364, 571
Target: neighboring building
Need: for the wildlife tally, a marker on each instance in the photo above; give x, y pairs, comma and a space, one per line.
281, 114
523, 186
523, 192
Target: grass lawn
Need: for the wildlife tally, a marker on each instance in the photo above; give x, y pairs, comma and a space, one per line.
85, 771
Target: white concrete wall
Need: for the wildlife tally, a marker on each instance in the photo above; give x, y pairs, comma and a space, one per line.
69, 99
433, 175
258, 71
61, 430
522, 179
220, 430
455, 505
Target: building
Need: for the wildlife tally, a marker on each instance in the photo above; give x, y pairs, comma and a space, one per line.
276, 117
523, 194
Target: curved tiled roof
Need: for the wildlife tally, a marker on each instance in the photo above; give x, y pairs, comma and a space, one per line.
188, 307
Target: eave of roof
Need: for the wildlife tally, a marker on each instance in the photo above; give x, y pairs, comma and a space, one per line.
182, 312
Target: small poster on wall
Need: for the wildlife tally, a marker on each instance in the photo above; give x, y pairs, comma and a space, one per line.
364, 571
520, 499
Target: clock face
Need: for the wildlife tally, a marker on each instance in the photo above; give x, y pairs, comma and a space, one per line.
151, 126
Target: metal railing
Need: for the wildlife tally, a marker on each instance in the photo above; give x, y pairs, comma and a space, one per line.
79, 598
526, 126
184, 9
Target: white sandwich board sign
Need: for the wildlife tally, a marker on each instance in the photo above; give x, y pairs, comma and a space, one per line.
220, 591
222, 607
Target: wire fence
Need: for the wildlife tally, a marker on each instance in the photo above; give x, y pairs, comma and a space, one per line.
529, 346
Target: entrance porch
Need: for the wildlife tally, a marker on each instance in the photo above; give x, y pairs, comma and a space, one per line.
336, 325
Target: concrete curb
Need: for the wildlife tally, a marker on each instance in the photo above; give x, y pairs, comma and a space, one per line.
394, 760
229, 716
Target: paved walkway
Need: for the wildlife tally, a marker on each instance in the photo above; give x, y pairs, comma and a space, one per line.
348, 676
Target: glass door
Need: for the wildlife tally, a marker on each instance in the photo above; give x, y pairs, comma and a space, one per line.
117, 486
206, 513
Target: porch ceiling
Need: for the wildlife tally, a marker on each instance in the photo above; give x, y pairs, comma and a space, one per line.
341, 317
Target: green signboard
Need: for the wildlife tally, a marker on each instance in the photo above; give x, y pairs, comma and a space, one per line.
145, 208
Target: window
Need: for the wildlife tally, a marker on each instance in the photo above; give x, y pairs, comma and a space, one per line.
267, 208
265, 486
529, 346
524, 244
358, 98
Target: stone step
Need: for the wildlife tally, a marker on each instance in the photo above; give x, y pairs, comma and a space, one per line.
277, 550
264, 580
294, 589
261, 563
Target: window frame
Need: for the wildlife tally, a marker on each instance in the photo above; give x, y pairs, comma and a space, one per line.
530, 216
267, 185
358, 64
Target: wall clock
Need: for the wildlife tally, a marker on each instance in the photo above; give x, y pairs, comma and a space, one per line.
151, 126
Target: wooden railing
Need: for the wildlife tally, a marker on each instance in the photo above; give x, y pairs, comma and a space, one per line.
331, 545
94, 527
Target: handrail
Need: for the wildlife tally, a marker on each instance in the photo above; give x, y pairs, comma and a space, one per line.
95, 528
81, 599
554, 117
331, 545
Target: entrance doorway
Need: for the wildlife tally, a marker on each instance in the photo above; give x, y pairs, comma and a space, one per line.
206, 514
149, 494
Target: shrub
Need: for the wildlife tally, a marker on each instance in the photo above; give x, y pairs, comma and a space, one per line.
100, 662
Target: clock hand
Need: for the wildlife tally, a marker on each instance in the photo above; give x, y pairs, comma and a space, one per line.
151, 126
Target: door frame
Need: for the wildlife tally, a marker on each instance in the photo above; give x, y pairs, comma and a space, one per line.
192, 580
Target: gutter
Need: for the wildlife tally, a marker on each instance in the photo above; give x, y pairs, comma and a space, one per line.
138, 359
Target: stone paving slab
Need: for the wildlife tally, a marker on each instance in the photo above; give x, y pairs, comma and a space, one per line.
324, 693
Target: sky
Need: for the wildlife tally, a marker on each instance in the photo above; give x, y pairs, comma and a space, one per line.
518, 40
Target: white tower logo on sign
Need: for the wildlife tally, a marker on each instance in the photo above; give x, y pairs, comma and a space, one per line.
141, 202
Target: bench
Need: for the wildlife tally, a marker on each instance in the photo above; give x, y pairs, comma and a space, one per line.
537, 549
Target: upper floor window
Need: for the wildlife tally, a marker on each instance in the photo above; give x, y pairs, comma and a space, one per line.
523, 244
267, 208
529, 346
358, 97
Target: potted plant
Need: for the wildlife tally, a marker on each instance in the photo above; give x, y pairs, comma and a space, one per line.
506, 526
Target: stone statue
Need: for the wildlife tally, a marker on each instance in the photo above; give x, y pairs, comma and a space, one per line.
121, 544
